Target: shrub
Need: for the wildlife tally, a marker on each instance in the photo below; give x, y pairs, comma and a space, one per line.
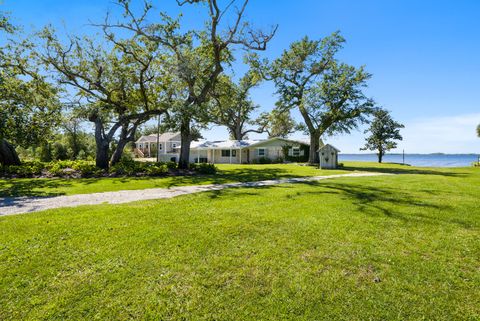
60, 168
155, 169
172, 165
86, 168
45, 153
54, 169
59, 151
83, 168
264, 160
26, 169
126, 167
204, 168
131, 168
82, 155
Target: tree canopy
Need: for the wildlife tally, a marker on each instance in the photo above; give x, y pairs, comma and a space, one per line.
29, 105
118, 88
232, 106
277, 123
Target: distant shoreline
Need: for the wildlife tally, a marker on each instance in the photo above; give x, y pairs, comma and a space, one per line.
446, 154
419, 160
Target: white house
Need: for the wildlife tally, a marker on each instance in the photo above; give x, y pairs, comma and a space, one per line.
224, 151
146, 146
244, 151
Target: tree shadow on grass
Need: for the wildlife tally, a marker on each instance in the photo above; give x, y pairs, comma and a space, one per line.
242, 175
393, 203
32, 187
371, 201
15, 192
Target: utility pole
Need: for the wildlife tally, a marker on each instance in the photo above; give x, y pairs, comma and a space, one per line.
158, 139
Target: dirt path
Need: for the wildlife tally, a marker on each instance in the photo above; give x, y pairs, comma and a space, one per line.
19, 205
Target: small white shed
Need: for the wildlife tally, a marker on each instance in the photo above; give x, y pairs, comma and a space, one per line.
328, 156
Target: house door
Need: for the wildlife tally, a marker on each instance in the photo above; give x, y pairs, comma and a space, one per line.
248, 156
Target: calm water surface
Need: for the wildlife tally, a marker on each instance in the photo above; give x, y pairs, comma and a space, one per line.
425, 160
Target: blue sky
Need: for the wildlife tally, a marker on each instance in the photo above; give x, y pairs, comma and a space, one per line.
424, 56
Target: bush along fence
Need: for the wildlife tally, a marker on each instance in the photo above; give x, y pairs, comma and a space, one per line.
80, 169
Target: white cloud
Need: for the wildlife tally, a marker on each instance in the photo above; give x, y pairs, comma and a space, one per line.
455, 134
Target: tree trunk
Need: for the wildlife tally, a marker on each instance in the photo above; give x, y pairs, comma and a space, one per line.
8, 154
126, 135
117, 154
75, 145
314, 146
380, 156
185, 137
102, 151
237, 134
122, 142
102, 145
314, 136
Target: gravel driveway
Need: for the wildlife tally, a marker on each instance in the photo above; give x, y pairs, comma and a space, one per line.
20, 205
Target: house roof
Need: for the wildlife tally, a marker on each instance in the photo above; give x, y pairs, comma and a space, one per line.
298, 141
324, 146
152, 138
236, 144
222, 144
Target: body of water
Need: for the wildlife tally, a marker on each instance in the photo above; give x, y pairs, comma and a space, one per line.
425, 160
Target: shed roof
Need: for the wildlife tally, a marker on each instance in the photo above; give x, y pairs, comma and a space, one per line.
328, 145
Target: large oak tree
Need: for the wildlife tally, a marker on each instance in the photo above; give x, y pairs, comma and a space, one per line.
119, 85
336, 104
199, 56
327, 94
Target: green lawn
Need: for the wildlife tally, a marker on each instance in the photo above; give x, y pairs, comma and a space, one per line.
402, 247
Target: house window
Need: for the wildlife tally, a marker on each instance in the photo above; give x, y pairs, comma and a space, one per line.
160, 146
174, 145
234, 153
261, 152
295, 151
225, 153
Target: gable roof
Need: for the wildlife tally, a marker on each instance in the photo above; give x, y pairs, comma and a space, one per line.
152, 138
221, 144
328, 145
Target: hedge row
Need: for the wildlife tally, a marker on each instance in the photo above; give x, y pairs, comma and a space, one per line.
82, 168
